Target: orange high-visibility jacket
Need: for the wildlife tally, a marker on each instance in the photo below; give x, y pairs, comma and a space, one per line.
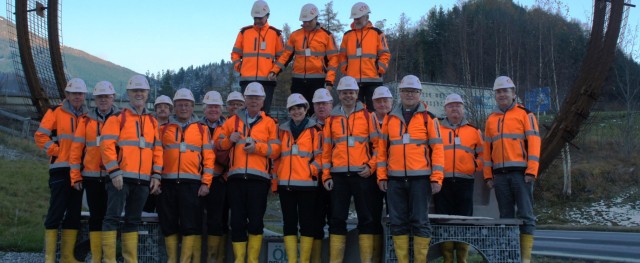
85, 158
511, 141
220, 166
131, 146
255, 52
263, 132
462, 149
187, 152
321, 59
358, 127
372, 61
56, 132
412, 149
300, 159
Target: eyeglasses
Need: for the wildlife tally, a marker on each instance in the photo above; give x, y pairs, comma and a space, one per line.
410, 91
235, 104
186, 106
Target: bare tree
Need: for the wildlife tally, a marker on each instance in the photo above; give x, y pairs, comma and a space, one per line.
628, 87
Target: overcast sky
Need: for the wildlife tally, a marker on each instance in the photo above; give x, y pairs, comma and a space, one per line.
152, 35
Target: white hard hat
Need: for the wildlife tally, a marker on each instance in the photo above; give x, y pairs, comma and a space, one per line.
103, 88
347, 83
322, 95
254, 89
234, 95
410, 82
381, 92
138, 82
503, 82
295, 99
183, 94
163, 99
453, 98
260, 9
76, 85
359, 9
308, 12
212, 98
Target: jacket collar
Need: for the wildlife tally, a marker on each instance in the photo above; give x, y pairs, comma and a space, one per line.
445, 122
397, 110
66, 106
93, 114
337, 110
133, 111
263, 28
369, 25
206, 122
242, 114
499, 111
174, 120
286, 125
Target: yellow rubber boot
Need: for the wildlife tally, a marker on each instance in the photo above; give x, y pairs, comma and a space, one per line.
222, 248
306, 245
95, 241
67, 245
171, 245
446, 248
420, 249
197, 249
50, 240
401, 247
336, 248
212, 248
462, 250
239, 251
365, 242
526, 245
186, 249
253, 248
291, 248
316, 251
130, 247
377, 249
109, 246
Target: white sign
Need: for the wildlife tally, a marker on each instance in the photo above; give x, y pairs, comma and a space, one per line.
276, 252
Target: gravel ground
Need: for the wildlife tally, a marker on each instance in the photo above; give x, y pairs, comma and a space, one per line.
23, 257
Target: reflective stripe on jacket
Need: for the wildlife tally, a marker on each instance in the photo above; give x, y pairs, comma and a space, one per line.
187, 151
321, 61
251, 57
299, 168
56, 132
462, 149
220, 166
372, 61
264, 134
131, 146
337, 156
419, 153
85, 157
511, 141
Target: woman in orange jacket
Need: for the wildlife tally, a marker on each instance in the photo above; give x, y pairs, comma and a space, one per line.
298, 169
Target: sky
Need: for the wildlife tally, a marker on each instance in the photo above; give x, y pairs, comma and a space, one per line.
155, 35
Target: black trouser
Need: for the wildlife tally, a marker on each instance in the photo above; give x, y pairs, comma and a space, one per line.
179, 208
150, 204
362, 189
217, 208
248, 203
366, 93
455, 198
322, 210
131, 199
307, 87
376, 205
269, 88
97, 201
298, 207
64, 203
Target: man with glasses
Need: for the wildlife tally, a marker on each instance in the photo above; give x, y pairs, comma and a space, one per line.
410, 169
255, 51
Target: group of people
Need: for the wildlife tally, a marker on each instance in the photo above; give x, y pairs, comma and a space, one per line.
216, 172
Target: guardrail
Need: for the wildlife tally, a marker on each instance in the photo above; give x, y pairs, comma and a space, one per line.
17, 125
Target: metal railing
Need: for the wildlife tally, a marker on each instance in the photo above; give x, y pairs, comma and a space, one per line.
17, 125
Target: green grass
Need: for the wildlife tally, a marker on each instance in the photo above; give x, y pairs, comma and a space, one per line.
24, 198
25, 145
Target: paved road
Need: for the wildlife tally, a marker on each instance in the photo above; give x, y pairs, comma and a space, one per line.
603, 246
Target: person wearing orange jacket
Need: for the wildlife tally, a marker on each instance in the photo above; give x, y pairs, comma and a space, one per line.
55, 136
235, 102
348, 163
87, 170
256, 50
463, 146
298, 170
410, 169
132, 155
163, 106
215, 202
364, 53
187, 174
252, 137
314, 53
511, 159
